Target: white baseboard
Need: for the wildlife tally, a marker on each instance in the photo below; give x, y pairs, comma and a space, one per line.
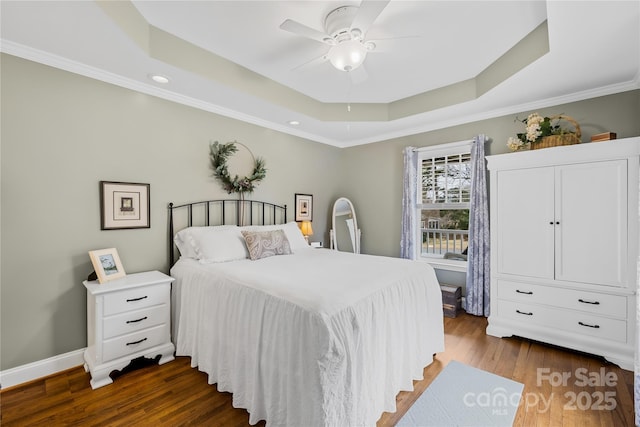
42, 368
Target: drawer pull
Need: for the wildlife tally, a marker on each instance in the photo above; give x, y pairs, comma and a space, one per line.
137, 342
524, 292
525, 313
137, 299
589, 326
588, 302
137, 320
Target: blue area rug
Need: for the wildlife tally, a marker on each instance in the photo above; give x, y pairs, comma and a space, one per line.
462, 395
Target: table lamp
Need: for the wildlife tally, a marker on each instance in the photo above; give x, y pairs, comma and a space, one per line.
306, 229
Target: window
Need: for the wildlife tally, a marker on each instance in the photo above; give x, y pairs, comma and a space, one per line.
443, 200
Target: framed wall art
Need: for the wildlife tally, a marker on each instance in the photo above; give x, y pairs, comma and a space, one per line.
107, 265
124, 205
304, 207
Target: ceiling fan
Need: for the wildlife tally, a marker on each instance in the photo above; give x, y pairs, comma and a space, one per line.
345, 29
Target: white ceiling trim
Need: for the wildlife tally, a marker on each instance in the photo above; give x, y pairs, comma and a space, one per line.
499, 112
62, 63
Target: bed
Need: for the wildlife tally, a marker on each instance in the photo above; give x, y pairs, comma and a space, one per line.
300, 336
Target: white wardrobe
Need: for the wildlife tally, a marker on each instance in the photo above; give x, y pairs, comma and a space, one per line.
564, 246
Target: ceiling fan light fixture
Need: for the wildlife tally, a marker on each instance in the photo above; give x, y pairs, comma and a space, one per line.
348, 55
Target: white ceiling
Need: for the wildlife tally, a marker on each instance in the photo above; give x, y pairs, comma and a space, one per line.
422, 46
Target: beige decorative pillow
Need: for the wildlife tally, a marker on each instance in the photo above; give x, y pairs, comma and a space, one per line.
262, 244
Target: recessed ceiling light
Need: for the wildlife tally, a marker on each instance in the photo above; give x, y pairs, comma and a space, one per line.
158, 78
294, 122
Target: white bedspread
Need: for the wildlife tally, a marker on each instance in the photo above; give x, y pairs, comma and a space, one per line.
318, 338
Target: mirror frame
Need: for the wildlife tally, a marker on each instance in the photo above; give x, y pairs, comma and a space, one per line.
356, 242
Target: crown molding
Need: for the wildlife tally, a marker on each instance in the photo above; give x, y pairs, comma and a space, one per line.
65, 64
75, 67
499, 112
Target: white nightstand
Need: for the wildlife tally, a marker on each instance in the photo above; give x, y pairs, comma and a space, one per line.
127, 318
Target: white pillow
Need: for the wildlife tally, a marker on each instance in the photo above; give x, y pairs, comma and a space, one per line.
291, 230
295, 237
184, 239
220, 245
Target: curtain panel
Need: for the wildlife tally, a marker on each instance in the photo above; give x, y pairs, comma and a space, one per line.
477, 299
409, 194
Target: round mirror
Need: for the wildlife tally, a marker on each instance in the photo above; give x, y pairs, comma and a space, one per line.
345, 234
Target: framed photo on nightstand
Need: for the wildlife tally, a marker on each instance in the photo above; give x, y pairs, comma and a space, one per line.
107, 265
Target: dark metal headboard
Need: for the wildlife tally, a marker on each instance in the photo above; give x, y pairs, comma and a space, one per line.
222, 212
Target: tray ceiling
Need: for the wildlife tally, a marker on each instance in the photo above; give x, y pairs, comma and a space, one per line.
436, 63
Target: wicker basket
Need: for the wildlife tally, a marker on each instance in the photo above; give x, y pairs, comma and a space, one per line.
558, 140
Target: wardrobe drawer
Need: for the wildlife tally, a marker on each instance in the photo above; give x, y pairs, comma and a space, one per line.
135, 299
591, 302
132, 321
132, 343
568, 320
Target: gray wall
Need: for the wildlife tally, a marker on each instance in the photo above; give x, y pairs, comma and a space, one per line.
63, 133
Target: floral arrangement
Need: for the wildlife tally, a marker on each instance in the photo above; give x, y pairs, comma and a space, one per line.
537, 127
219, 153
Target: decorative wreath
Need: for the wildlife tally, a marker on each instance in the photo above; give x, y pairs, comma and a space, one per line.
219, 153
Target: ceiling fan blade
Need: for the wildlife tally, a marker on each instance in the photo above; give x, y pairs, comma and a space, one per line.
358, 75
315, 61
368, 12
304, 31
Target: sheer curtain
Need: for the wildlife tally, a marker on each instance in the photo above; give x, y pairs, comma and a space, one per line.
409, 193
477, 298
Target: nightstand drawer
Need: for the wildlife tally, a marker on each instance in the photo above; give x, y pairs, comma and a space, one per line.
135, 299
591, 302
568, 320
132, 321
132, 343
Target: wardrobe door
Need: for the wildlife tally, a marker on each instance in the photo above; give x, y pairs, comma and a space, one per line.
591, 216
525, 214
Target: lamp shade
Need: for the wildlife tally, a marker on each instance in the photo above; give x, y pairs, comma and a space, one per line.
306, 229
347, 55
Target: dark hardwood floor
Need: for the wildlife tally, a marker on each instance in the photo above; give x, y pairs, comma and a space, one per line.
174, 394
